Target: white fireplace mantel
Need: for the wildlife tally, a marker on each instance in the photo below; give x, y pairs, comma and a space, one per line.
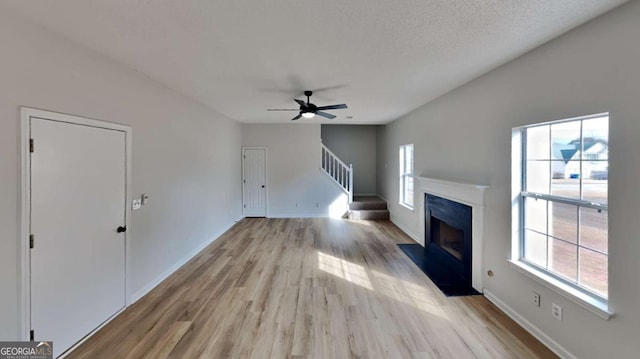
466, 193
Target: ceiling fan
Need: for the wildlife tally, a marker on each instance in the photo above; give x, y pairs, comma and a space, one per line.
309, 110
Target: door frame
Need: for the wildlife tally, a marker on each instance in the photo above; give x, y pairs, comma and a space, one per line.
24, 267
266, 179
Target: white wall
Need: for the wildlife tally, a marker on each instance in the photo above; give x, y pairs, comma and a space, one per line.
296, 186
356, 145
466, 136
185, 156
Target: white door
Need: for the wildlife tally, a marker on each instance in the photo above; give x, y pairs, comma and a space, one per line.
255, 182
77, 204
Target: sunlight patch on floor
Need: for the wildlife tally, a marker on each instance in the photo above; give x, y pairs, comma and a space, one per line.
359, 222
346, 270
409, 293
415, 295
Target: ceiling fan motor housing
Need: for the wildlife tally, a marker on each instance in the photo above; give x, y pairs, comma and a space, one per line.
309, 108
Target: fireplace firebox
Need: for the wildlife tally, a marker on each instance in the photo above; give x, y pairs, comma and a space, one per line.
449, 238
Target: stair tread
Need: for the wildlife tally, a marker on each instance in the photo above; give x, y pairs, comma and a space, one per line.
368, 206
368, 199
369, 214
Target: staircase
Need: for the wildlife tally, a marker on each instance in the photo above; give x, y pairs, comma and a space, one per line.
363, 207
368, 208
341, 174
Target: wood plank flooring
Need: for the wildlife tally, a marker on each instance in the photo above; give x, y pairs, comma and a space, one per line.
308, 288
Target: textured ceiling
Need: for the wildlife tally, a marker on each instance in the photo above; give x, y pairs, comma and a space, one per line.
383, 58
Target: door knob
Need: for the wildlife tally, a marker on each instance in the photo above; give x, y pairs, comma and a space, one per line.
121, 229
262, 186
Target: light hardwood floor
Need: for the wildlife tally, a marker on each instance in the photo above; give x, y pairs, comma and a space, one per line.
308, 288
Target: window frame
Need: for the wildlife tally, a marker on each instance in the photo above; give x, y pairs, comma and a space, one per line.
572, 290
404, 175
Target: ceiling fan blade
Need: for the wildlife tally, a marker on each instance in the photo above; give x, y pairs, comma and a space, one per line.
325, 115
283, 109
333, 107
297, 117
300, 102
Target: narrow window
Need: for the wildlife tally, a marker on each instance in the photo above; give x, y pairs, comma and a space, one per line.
406, 175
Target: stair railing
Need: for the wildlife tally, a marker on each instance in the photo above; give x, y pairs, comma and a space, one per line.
338, 171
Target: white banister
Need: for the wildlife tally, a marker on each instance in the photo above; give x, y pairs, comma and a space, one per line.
350, 183
338, 171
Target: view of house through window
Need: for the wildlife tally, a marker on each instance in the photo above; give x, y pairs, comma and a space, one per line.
406, 175
564, 200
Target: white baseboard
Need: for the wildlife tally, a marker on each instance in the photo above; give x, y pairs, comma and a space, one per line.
164, 275
366, 194
532, 329
405, 230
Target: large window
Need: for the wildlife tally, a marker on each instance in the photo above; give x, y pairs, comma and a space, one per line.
406, 175
563, 224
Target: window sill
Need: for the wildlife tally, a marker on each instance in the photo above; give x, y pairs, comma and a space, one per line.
406, 206
595, 305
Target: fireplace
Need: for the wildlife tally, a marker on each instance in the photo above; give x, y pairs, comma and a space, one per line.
453, 216
448, 239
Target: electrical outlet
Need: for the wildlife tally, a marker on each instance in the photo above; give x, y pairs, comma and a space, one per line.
536, 299
556, 311
137, 203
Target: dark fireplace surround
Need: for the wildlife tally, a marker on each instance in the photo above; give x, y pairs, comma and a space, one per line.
448, 241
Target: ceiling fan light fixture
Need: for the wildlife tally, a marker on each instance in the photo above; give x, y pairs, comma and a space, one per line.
308, 114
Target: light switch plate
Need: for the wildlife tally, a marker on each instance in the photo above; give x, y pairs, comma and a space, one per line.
137, 203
